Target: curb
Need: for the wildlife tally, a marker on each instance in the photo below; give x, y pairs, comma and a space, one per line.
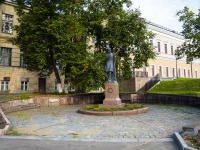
114, 113
8, 124
180, 142
61, 138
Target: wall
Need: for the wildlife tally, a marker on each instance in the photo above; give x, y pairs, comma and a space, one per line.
16, 74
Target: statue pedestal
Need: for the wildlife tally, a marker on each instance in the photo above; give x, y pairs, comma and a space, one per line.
112, 96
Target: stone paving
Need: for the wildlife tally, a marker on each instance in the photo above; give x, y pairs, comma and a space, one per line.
160, 122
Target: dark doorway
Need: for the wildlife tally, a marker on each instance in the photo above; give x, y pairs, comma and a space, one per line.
42, 85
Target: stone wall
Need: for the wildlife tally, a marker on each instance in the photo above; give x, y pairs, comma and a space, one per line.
153, 98
133, 85
91, 98
17, 105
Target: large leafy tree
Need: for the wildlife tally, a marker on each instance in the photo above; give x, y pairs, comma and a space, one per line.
56, 32
191, 32
50, 34
124, 30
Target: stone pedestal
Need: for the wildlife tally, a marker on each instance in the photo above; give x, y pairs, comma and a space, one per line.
112, 96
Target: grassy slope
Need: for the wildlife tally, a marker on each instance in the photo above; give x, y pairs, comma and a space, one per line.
178, 86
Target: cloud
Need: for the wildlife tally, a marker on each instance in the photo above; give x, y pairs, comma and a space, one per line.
163, 12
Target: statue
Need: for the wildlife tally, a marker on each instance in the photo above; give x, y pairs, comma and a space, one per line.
110, 64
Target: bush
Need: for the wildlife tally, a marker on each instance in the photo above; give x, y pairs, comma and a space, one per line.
126, 107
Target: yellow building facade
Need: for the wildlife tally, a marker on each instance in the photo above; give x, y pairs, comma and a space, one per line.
14, 77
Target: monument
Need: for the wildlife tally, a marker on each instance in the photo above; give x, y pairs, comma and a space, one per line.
111, 86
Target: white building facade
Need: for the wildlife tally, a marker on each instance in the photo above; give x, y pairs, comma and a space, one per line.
166, 65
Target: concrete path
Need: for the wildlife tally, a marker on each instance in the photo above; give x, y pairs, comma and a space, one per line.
11, 143
154, 128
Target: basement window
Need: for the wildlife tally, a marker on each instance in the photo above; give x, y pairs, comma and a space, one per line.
24, 85
4, 85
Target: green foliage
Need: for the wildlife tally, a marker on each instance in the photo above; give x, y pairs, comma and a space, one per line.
55, 33
191, 29
12, 131
126, 107
178, 86
59, 93
194, 141
126, 32
21, 96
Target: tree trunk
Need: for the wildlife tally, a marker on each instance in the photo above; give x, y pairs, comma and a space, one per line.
59, 86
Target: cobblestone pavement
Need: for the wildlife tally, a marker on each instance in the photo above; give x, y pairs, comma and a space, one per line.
160, 122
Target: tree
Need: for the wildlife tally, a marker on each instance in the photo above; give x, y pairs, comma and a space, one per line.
124, 30
50, 34
191, 32
55, 33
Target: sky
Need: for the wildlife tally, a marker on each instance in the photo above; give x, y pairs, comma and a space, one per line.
163, 12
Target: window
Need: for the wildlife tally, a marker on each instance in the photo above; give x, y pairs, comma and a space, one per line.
166, 48
184, 72
24, 85
71, 87
188, 73
179, 72
5, 56
4, 85
167, 71
173, 72
151, 42
55, 86
172, 50
160, 71
22, 62
158, 46
196, 74
7, 23
152, 70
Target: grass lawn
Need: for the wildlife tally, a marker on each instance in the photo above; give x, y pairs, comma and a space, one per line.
187, 86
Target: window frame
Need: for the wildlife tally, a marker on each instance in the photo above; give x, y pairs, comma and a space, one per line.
5, 22
167, 71
160, 71
159, 48
165, 48
172, 50
5, 55
24, 85
5, 85
173, 72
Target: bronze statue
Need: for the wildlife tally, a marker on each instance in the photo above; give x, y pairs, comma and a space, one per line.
110, 64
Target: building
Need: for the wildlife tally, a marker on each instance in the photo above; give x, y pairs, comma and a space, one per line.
14, 77
166, 64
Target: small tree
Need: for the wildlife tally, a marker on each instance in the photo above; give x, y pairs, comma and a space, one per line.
191, 32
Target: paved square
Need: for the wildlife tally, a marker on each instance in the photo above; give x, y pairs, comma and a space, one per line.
160, 122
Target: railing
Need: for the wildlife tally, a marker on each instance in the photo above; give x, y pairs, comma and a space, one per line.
152, 82
140, 74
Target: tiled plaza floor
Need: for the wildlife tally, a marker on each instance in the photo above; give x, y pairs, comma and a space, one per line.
160, 122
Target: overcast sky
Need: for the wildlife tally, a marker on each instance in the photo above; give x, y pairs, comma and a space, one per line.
163, 12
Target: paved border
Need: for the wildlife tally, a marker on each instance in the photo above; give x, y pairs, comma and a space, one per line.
181, 143
8, 124
114, 113
61, 138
